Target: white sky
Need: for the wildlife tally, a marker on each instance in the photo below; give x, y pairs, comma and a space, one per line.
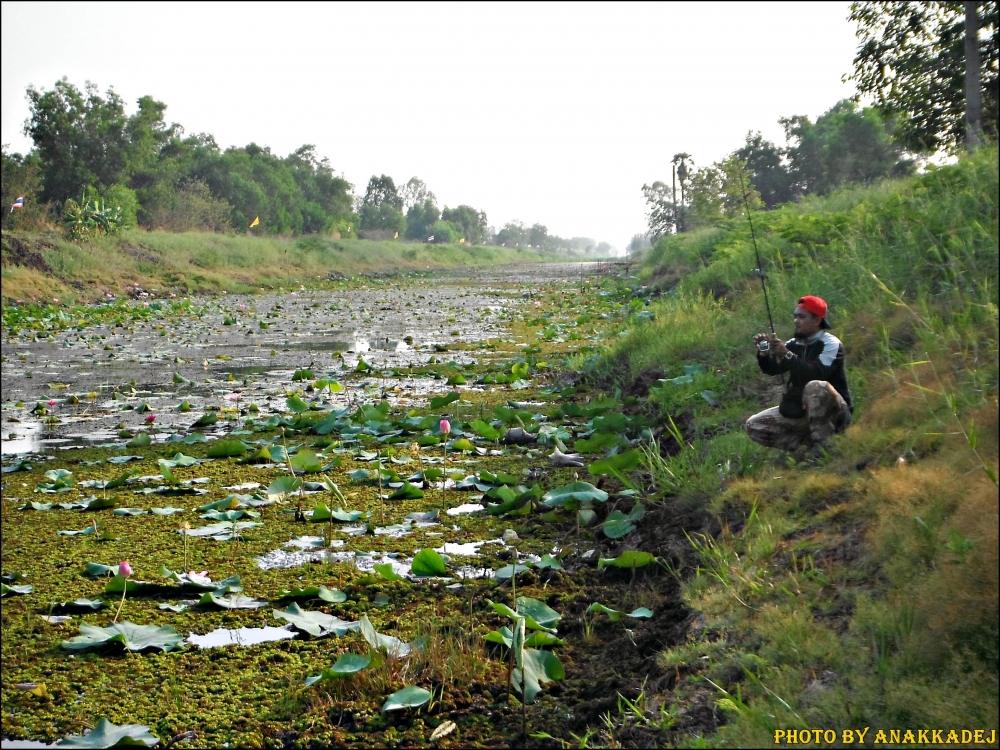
537, 112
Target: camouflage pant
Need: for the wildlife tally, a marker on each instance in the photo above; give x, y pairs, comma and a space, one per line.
826, 414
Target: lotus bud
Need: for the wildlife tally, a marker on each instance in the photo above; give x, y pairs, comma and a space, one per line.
124, 569
445, 426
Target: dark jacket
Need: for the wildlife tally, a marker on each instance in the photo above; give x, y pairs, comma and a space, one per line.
820, 357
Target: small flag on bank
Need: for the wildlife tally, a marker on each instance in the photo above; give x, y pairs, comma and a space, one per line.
19, 203
255, 222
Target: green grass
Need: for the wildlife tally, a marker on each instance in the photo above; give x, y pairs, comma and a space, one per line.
43, 266
865, 580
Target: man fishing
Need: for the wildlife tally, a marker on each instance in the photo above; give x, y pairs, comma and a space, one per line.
816, 403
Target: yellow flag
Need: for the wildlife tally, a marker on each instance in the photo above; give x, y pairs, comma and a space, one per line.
255, 222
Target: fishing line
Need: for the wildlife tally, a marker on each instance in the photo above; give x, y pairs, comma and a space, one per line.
760, 266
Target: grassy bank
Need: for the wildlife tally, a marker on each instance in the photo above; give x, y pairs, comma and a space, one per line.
859, 589
39, 267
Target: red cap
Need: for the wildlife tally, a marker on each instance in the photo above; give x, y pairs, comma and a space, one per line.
815, 305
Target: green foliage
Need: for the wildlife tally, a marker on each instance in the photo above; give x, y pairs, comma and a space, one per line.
911, 58
92, 217
106, 734
844, 146
128, 635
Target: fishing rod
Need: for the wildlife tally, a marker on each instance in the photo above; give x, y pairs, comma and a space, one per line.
760, 266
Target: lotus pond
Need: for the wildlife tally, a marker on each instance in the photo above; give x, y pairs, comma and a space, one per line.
379, 515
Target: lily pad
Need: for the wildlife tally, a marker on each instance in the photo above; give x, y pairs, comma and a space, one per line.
233, 601
25, 589
428, 562
347, 664
615, 616
629, 559
576, 492
316, 624
394, 647
130, 636
106, 734
408, 697
334, 596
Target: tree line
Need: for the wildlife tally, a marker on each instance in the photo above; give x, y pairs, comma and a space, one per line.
931, 68
98, 169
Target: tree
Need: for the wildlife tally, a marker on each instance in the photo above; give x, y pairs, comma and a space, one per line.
420, 218
381, 208
444, 232
538, 236
513, 234
638, 243
661, 211
911, 58
843, 146
415, 192
81, 140
766, 170
21, 177
470, 223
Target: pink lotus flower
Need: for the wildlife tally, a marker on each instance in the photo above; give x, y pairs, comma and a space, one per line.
52, 402
124, 569
445, 426
150, 418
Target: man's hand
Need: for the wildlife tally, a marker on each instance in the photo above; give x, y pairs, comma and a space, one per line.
777, 346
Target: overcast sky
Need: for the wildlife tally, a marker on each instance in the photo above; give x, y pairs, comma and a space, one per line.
533, 112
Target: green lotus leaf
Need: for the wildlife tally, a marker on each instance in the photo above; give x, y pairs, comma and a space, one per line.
630, 560
530, 622
334, 596
129, 635
123, 459
283, 486
82, 532
536, 667
180, 459
407, 492
96, 570
347, 664
226, 448
598, 442
206, 419
463, 444
306, 462
438, 402
408, 697
617, 525
230, 515
575, 492
620, 462
303, 374
130, 511
485, 430
429, 563
233, 601
106, 734
394, 647
168, 511
509, 571
385, 570
548, 561
25, 589
316, 624
142, 440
